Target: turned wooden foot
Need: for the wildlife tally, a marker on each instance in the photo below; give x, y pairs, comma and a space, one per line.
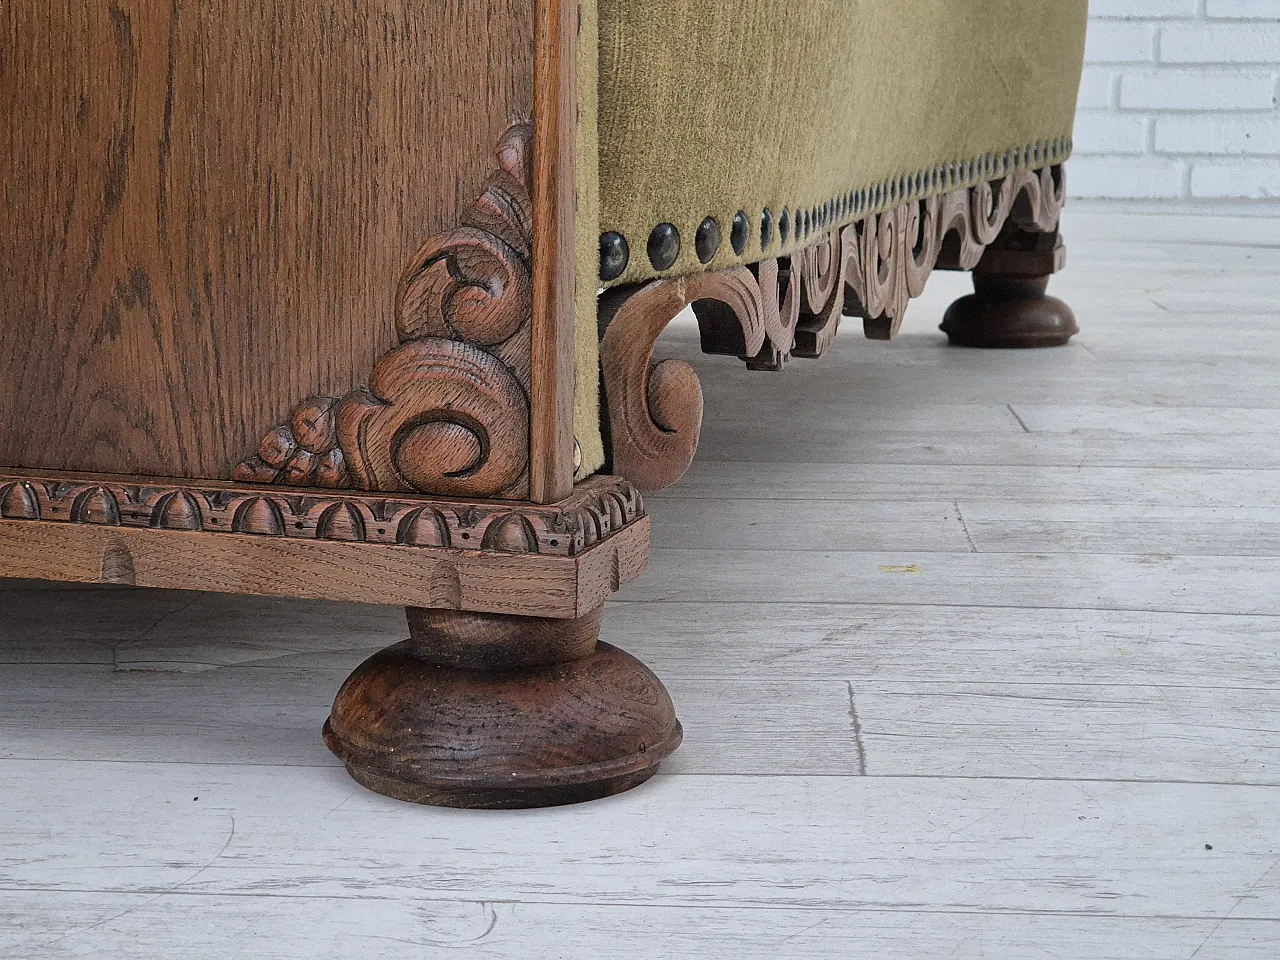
490, 711
1007, 312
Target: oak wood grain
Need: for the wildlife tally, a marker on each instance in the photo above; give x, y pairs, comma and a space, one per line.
206, 208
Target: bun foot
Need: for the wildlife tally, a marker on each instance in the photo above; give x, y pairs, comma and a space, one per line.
1009, 313
499, 712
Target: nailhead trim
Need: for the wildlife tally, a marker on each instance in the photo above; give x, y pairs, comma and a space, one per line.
707, 242
664, 246
795, 226
615, 254
740, 235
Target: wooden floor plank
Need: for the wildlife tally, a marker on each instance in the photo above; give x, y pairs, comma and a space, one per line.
1153, 582
796, 525
1140, 229
902, 643
859, 727
832, 443
983, 526
775, 640
1115, 849
67, 925
1107, 532
846, 723
1064, 418
1036, 483
885, 392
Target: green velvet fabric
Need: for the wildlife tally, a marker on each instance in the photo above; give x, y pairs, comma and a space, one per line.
708, 108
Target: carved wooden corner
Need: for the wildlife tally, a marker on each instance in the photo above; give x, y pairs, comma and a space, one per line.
447, 411
769, 312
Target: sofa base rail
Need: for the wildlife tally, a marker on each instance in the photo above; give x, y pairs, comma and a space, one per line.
558, 561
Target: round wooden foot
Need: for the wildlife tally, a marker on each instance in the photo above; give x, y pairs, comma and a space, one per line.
497, 712
1009, 313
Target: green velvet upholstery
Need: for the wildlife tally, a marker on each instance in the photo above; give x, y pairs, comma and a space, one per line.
708, 108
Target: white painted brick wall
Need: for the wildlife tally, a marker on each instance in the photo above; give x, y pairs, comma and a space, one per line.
1180, 101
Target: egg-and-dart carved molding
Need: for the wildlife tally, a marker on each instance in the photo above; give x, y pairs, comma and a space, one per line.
767, 312
447, 411
598, 508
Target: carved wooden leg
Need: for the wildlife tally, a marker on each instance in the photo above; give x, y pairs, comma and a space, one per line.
1009, 307
493, 711
1009, 312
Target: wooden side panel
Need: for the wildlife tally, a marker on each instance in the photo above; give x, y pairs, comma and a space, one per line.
205, 208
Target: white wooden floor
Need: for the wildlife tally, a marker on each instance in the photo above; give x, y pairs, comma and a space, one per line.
978, 655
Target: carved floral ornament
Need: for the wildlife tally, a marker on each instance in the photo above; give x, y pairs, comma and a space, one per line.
768, 312
446, 412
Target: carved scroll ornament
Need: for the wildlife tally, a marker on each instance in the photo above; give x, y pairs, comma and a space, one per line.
446, 412
768, 312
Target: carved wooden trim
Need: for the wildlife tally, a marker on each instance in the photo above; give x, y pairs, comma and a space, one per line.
768, 312
597, 509
447, 411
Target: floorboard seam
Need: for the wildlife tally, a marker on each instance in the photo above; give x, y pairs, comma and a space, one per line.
857, 732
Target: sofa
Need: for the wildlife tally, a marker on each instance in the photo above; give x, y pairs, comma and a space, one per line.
361, 302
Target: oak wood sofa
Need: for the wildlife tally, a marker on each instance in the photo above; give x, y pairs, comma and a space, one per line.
359, 302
